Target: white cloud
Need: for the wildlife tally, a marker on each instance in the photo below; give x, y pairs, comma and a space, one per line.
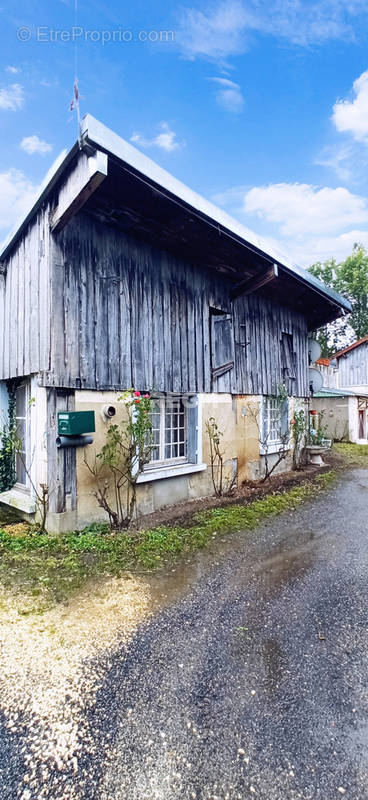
12, 70
351, 116
222, 29
216, 33
33, 144
307, 223
16, 194
11, 97
341, 160
309, 23
229, 94
165, 139
300, 209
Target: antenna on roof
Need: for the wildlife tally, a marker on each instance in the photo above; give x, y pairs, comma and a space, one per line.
74, 105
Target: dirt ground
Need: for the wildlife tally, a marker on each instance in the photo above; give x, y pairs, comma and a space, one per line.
183, 513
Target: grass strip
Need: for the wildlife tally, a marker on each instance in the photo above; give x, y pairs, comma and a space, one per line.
51, 569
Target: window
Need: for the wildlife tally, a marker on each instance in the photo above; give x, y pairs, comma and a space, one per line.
168, 430
275, 422
288, 356
174, 431
222, 342
271, 420
22, 416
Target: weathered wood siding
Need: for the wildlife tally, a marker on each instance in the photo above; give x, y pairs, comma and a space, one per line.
259, 324
353, 367
61, 464
25, 303
127, 314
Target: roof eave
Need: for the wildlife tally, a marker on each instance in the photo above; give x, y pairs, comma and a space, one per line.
96, 135
53, 175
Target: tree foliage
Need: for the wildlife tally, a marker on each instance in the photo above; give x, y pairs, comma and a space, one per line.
350, 278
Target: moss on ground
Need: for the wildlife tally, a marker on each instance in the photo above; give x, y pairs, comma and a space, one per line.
51, 569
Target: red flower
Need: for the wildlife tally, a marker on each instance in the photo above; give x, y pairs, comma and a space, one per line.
137, 394
138, 400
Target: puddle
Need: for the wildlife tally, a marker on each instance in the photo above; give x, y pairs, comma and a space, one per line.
240, 554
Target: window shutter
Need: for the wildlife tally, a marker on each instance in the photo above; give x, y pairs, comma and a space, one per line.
192, 430
264, 419
287, 355
284, 418
222, 343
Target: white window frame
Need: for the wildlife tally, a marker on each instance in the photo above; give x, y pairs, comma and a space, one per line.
164, 406
25, 487
272, 445
272, 418
157, 470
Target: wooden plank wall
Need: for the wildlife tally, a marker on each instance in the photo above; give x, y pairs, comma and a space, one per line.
259, 324
25, 303
126, 314
353, 367
61, 464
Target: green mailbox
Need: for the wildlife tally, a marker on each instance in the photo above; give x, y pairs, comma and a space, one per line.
74, 423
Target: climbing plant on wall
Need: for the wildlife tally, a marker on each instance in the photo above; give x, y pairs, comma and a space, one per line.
7, 451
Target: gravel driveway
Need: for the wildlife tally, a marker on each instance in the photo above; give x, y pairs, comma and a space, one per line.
251, 679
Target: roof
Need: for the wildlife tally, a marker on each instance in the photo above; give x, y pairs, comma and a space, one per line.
351, 347
325, 362
338, 393
139, 166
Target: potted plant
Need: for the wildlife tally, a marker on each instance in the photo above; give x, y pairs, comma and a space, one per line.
317, 441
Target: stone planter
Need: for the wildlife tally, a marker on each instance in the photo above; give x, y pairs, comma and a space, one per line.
315, 452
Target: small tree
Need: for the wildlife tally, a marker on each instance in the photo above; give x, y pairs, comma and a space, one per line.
128, 448
283, 432
223, 484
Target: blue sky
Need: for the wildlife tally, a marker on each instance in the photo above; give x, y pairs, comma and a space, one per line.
261, 107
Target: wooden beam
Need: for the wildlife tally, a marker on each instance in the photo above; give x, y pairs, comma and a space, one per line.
216, 372
250, 286
87, 175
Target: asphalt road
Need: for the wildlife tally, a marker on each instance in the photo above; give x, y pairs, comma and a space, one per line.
251, 680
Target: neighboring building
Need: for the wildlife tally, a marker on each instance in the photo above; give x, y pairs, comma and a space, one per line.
120, 276
345, 392
345, 414
348, 368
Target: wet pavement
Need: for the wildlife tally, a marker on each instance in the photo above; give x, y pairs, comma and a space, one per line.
251, 679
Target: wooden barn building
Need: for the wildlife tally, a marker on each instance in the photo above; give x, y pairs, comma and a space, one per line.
120, 276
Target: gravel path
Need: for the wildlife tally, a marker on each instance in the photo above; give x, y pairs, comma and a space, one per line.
251, 680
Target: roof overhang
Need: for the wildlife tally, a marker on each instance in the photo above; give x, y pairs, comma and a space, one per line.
51, 179
144, 199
